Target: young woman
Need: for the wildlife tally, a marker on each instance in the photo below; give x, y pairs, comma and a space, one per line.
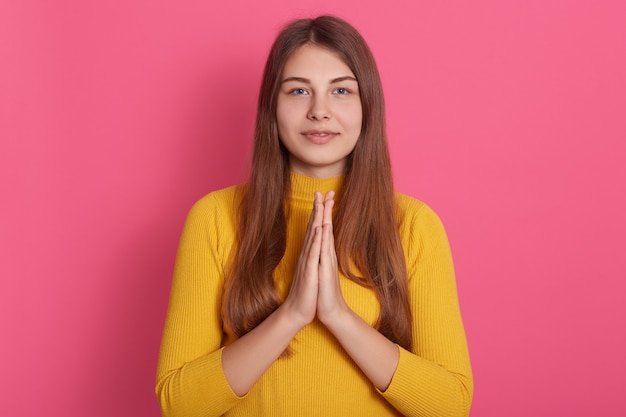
314, 289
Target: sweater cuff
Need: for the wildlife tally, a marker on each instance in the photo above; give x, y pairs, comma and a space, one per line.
211, 383
402, 381
420, 387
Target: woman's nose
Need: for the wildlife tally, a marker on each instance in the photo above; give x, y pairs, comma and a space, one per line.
319, 109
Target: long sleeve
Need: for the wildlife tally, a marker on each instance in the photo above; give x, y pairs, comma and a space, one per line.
435, 379
190, 379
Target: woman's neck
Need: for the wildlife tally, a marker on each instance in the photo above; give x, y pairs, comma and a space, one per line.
303, 187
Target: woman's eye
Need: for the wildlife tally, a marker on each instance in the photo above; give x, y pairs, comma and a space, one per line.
298, 91
341, 90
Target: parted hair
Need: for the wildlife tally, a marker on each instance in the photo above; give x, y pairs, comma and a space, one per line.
366, 225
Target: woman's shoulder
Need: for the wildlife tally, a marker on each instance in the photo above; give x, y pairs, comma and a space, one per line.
407, 205
413, 213
218, 203
222, 198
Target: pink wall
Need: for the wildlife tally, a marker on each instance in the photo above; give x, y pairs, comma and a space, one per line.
507, 117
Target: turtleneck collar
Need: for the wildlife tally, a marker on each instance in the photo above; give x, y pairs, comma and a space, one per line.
303, 187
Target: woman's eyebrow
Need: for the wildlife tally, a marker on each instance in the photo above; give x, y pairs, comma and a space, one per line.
342, 79
299, 79
307, 81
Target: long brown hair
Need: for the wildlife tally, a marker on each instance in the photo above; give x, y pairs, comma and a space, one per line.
366, 228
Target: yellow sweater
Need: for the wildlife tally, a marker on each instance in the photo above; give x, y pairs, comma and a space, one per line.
319, 378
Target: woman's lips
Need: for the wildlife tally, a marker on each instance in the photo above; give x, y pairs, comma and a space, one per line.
319, 136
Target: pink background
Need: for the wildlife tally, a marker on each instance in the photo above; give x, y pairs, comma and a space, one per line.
507, 117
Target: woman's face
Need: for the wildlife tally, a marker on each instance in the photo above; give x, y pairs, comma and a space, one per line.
318, 112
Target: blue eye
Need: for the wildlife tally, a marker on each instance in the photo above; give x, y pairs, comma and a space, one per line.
299, 91
342, 91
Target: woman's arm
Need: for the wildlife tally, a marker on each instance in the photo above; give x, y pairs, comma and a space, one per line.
376, 355
433, 379
249, 357
196, 376
190, 380
436, 374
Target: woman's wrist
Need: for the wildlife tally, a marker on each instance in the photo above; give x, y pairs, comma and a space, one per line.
290, 318
338, 318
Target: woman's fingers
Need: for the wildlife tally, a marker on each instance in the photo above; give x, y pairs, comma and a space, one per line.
327, 246
327, 249
329, 203
315, 220
310, 253
317, 262
328, 257
302, 298
329, 299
